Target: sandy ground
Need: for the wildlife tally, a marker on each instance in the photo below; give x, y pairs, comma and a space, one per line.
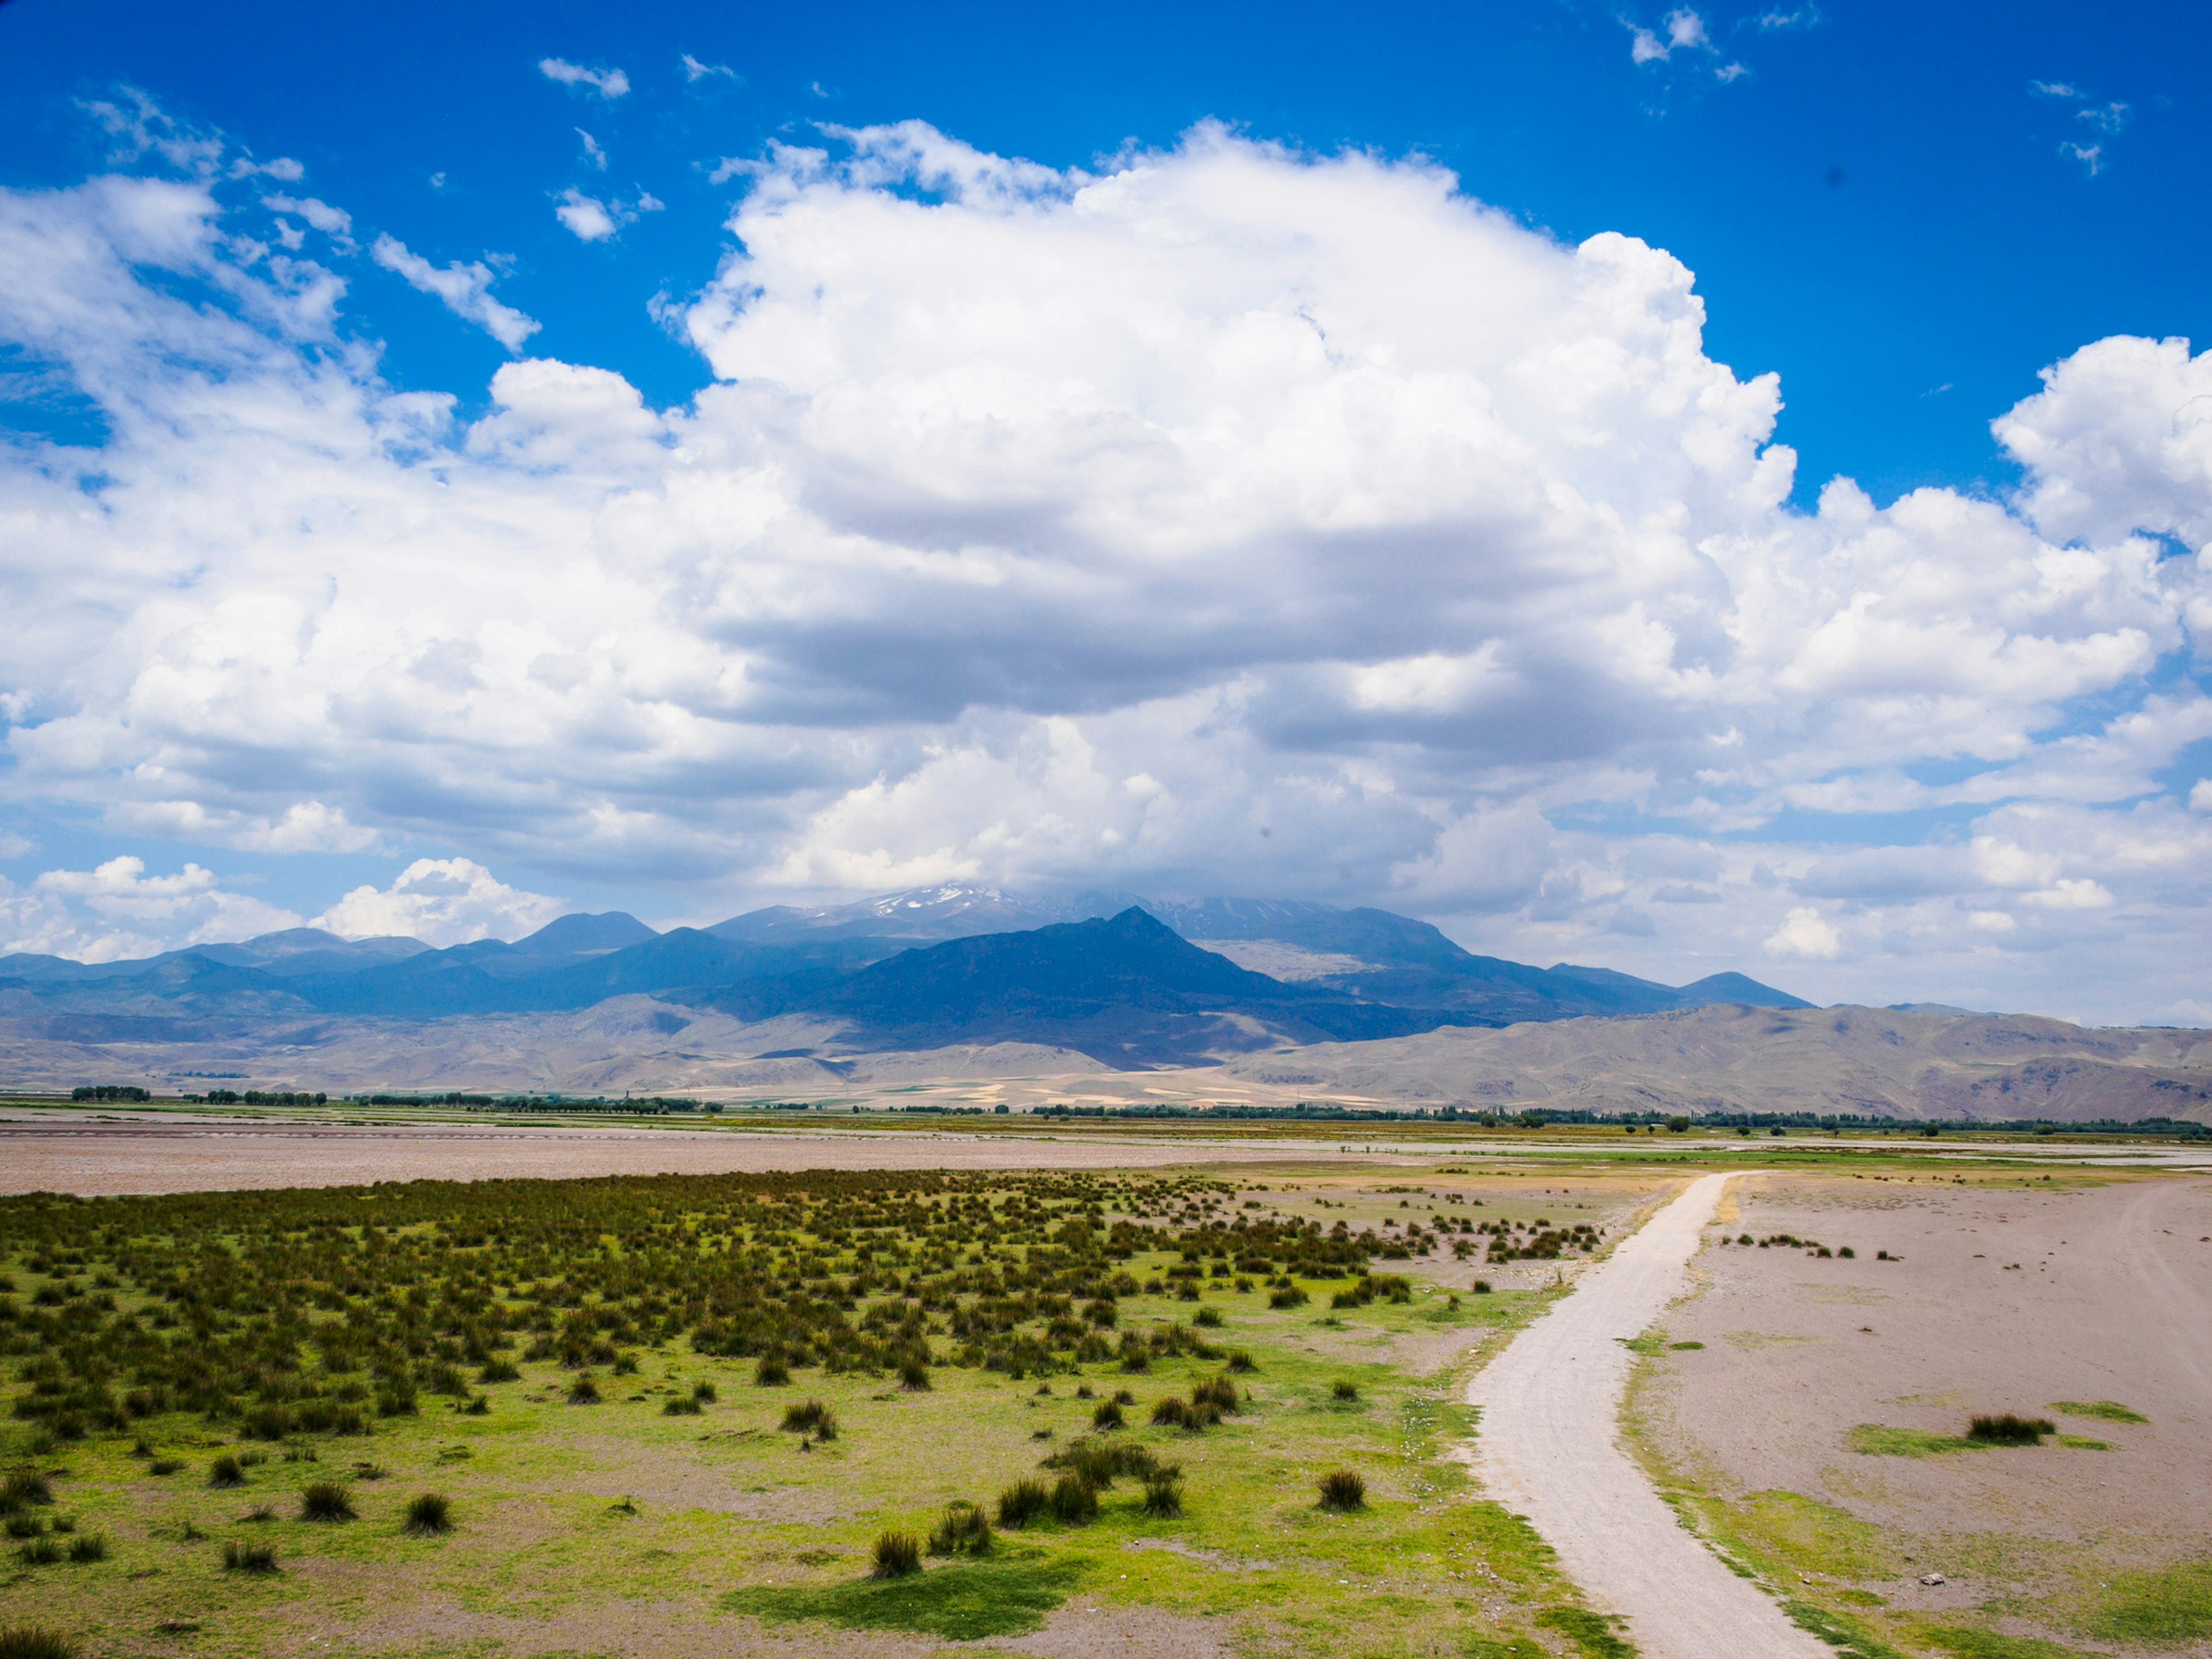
90, 1158
1545, 1448
2006, 1299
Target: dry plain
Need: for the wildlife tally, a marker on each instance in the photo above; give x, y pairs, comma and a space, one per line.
1811, 1412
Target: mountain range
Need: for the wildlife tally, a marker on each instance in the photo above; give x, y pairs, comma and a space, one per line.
1129, 983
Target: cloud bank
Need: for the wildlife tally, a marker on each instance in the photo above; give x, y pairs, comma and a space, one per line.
1226, 519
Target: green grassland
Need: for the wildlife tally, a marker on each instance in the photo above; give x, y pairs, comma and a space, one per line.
960, 1331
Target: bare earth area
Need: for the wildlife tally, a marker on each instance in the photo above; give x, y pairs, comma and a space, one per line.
2082, 1300
1545, 1450
92, 1159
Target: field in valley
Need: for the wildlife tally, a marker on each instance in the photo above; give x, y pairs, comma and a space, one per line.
618, 1383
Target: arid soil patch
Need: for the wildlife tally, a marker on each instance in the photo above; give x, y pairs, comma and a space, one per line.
1830, 1401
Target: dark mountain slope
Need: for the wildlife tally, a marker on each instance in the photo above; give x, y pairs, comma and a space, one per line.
1128, 991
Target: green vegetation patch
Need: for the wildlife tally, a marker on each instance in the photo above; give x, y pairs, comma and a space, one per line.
1592, 1632
2082, 1442
2105, 1410
1879, 1440
2163, 1609
965, 1601
1849, 1638
1964, 1642
1816, 1537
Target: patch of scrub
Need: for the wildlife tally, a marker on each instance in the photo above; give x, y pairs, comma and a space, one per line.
964, 1602
1879, 1440
2163, 1609
2105, 1410
1755, 1341
2082, 1442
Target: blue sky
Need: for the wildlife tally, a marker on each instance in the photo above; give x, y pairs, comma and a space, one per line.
1884, 207
1905, 214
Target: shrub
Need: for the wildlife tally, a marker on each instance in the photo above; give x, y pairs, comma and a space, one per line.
35, 1642
2006, 1430
499, 1370
248, 1558
1240, 1362
1074, 1499
1022, 1502
90, 1547
41, 1552
895, 1555
914, 1377
1209, 1317
1482, 1287
626, 1365
226, 1471
479, 1407
1343, 1390
965, 1530
811, 1417
583, 1392
1290, 1297
25, 1525
1107, 1416
683, 1406
771, 1373
704, 1393
1164, 1491
1170, 1413
326, 1500
430, 1513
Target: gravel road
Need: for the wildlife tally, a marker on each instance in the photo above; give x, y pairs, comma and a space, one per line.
1546, 1450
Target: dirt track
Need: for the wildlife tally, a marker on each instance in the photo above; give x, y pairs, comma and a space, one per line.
1547, 1449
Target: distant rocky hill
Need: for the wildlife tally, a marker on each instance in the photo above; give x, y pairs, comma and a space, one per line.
1874, 1062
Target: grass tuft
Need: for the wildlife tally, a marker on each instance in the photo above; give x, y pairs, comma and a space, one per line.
1343, 1490
2003, 1429
964, 1530
895, 1555
430, 1514
248, 1558
35, 1642
326, 1500
810, 1416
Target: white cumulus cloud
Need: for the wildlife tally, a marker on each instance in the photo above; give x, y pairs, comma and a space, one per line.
441, 902
465, 290
604, 83
117, 911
